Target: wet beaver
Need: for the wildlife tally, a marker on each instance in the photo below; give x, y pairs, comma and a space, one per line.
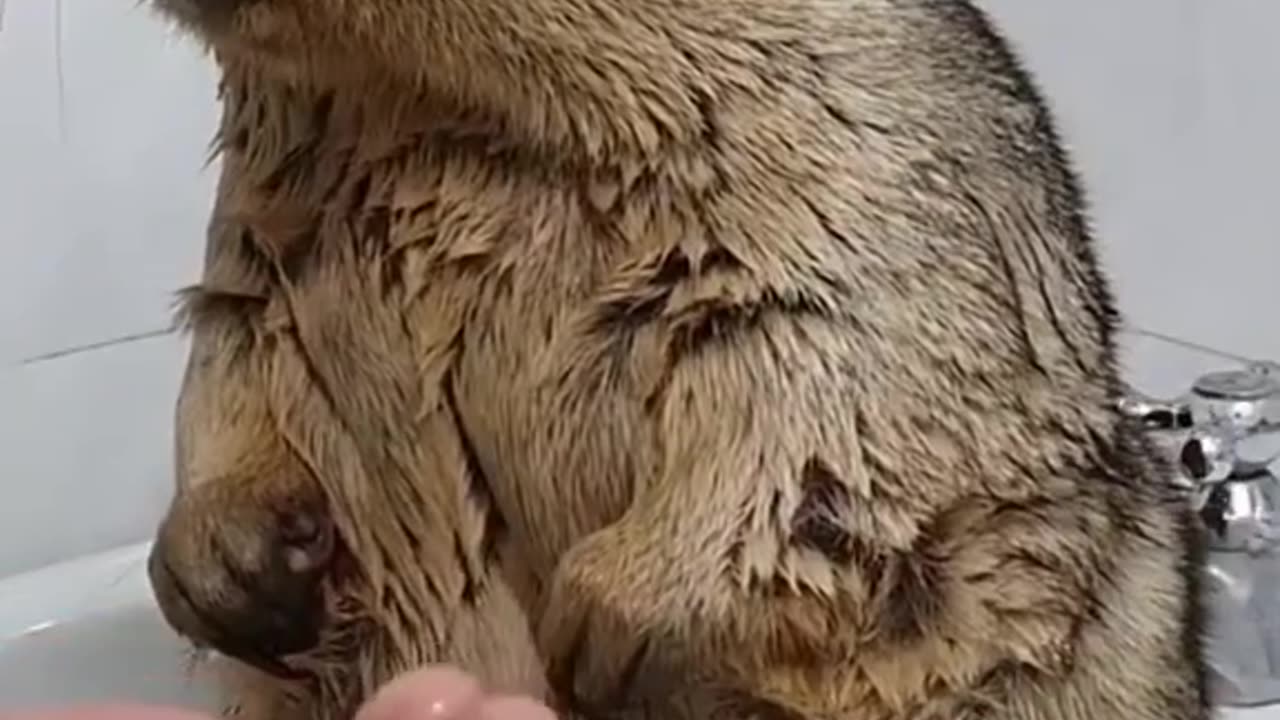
672, 358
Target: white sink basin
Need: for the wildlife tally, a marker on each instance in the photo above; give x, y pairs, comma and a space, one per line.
88, 630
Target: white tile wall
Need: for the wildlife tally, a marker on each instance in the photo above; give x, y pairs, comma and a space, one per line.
1170, 105
101, 219
1172, 109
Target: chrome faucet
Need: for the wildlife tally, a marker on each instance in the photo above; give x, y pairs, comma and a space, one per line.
1224, 439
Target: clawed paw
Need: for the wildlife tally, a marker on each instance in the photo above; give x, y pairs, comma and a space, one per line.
596, 639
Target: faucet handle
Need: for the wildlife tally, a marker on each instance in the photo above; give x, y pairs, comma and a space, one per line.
1264, 367
1235, 424
1156, 414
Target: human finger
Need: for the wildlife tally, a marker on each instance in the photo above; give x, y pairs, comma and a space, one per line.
105, 712
433, 693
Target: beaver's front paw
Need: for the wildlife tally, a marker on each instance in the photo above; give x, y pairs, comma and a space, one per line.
599, 630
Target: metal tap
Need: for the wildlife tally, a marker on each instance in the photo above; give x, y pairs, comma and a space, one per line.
1224, 438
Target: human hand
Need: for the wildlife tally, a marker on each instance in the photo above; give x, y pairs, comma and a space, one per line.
444, 693
436, 693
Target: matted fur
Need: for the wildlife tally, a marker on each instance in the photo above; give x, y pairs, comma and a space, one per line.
686, 358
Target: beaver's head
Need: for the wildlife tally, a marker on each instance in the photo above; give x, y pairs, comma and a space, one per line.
323, 526
326, 527
249, 558
326, 524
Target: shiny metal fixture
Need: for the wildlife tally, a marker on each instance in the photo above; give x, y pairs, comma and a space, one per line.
1223, 437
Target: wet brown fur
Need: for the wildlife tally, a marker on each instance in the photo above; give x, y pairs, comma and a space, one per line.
719, 358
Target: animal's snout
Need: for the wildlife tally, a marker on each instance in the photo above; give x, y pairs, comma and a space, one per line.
245, 578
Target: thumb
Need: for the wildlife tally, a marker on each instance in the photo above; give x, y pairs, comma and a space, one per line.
105, 712
432, 693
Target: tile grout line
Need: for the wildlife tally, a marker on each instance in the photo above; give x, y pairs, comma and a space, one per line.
1195, 346
170, 330
59, 69
97, 345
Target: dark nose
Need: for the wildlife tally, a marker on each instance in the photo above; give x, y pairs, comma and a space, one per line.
247, 581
